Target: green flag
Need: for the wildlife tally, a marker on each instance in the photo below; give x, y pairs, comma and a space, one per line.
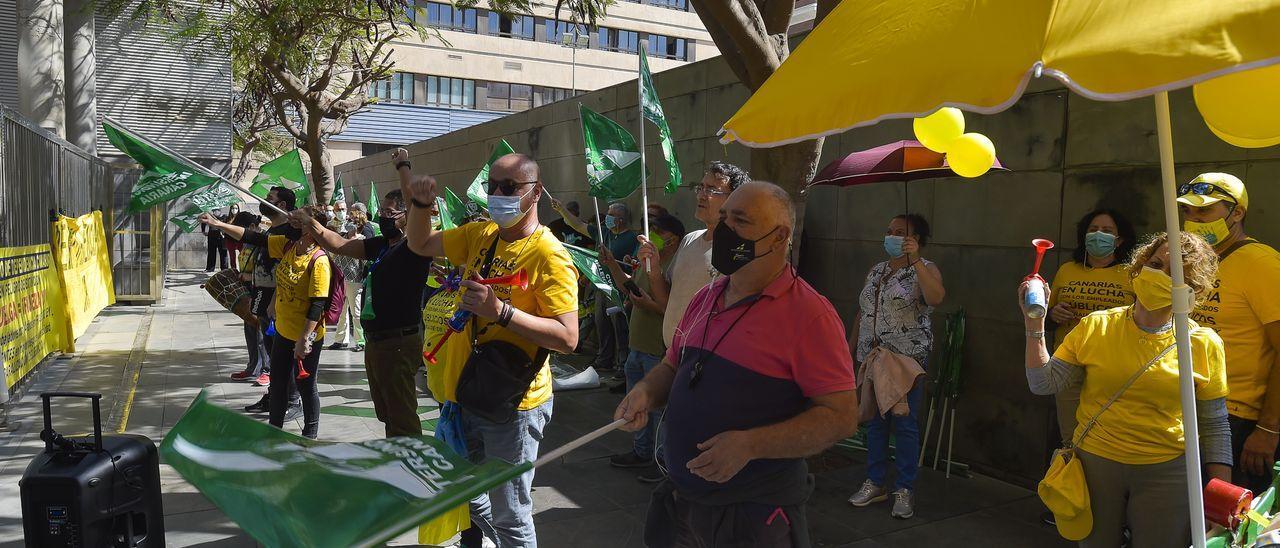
285, 171
165, 177
613, 166
452, 209
477, 192
588, 263
206, 199
373, 209
285, 490
652, 110
339, 193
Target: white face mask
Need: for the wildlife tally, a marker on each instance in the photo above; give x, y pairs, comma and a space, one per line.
505, 210
341, 216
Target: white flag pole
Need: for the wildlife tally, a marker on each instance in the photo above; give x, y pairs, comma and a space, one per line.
191, 164
644, 185
595, 202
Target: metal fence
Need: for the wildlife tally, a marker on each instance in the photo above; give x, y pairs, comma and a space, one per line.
42, 175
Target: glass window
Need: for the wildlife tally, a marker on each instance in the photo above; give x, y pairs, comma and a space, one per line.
406, 86
433, 90
679, 48
657, 45
469, 94
499, 96
446, 16
513, 26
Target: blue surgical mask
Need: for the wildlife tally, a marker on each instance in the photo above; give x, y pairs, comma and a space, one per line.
610, 221
893, 245
505, 210
1100, 244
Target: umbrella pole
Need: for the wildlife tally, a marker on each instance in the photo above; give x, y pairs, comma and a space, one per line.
1181, 312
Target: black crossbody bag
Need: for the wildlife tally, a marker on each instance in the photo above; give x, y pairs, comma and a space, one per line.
497, 374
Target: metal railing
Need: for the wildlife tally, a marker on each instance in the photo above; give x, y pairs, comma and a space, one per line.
42, 175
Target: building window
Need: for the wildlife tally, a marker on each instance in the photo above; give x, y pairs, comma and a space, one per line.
369, 149
450, 92
619, 40
511, 26
543, 95
509, 97
557, 29
396, 89
682, 5
667, 47
445, 16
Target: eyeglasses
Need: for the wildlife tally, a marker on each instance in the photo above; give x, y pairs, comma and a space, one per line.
1205, 189
506, 187
709, 191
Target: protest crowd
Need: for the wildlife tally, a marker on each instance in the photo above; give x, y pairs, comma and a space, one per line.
723, 419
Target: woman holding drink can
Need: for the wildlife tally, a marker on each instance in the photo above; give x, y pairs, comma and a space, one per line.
1130, 438
1096, 278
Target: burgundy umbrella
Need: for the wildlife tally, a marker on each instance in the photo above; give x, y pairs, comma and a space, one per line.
900, 161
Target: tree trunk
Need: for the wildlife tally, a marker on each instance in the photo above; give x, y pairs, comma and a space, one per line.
321, 171
246, 158
790, 167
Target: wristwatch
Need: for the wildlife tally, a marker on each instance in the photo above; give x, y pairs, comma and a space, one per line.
416, 203
403, 163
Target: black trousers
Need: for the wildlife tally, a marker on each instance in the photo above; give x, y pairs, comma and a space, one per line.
218, 251
278, 392
1240, 430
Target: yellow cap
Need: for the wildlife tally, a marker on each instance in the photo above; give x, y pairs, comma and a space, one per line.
1231, 187
1065, 493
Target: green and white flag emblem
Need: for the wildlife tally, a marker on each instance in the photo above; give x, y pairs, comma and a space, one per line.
285, 171
613, 161
652, 110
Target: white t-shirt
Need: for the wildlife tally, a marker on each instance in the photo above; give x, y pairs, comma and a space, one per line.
690, 271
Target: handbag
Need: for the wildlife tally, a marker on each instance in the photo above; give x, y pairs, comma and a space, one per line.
1063, 489
497, 374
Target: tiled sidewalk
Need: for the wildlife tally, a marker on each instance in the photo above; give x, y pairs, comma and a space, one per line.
187, 344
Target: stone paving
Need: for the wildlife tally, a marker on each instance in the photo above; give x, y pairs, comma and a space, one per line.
187, 343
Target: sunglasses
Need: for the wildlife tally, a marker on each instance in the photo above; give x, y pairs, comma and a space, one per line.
506, 187
1205, 189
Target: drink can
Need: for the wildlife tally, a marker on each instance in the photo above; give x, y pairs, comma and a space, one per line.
1035, 298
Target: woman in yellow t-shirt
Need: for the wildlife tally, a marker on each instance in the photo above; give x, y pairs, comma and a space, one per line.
1133, 455
1096, 278
302, 294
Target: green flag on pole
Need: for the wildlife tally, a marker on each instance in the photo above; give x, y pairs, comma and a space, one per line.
452, 208
285, 171
613, 166
373, 209
339, 193
286, 490
588, 263
652, 110
165, 177
206, 199
477, 192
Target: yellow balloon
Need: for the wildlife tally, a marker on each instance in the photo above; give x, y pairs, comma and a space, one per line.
971, 155
1243, 108
1243, 142
936, 131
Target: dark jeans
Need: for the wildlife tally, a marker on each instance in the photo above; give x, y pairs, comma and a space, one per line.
265, 341
1240, 430
258, 360
216, 250
611, 332
278, 392
391, 365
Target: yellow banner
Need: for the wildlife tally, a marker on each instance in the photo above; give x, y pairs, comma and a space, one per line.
80, 250
32, 322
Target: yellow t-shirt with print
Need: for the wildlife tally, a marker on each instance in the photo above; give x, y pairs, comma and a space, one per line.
1244, 299
553, 290
1144, 426
1086, 290
297, 282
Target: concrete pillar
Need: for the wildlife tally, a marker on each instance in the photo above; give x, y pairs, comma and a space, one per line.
41, 80
81, 75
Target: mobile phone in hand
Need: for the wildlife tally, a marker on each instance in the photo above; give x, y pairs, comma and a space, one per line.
633, 288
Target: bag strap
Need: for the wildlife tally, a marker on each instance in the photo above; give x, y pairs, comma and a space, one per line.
484, 273
1236, 246
1094, 420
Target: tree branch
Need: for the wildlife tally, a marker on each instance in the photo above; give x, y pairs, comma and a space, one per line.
776, 14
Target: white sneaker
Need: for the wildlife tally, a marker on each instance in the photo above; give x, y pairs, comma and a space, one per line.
904, 504
869, 494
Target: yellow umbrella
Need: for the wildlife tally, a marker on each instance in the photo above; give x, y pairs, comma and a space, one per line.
870, 61
874, 60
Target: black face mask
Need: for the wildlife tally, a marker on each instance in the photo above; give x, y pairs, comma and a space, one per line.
388, 228
730, 252
292, 233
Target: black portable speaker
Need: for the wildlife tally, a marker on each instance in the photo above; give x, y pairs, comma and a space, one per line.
92, 491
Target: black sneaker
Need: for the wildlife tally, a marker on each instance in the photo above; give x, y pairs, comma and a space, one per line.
337, 346
261, 407
629, 460
358, 348
294, 412
652, 474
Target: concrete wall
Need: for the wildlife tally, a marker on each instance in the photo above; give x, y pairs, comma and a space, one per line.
1066, 155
